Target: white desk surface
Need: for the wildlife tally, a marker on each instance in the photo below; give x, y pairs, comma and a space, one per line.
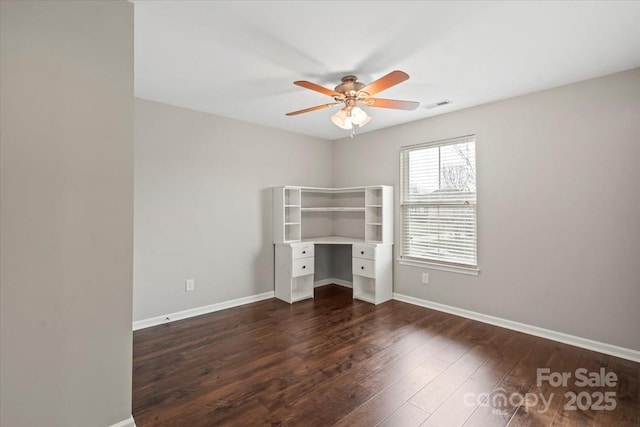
332, 240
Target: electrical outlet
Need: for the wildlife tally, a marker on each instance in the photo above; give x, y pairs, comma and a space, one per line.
425, 278
189, 285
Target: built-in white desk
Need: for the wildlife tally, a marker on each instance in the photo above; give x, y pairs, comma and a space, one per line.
358, 216
371, 266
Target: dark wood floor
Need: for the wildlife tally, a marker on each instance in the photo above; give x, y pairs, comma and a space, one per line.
335, 361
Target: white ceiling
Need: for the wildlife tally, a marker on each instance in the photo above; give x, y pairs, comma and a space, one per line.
239, 59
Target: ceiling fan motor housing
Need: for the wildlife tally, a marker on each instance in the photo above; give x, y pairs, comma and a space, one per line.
349, 86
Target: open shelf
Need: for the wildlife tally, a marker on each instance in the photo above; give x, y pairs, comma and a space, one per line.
373, 232
373, 196
301, 288
333, 209
364, 289
291, 196
346, 199
333, 240
292, 232
332, 190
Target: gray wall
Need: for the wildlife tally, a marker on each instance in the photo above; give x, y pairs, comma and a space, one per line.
66, 90
203, 204
558, 206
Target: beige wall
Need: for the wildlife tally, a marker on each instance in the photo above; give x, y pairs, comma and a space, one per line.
558, 206
203, 204
66, 90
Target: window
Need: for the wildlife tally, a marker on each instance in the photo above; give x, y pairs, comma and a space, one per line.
438, 203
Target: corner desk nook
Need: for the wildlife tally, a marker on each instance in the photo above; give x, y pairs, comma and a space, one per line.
362, 217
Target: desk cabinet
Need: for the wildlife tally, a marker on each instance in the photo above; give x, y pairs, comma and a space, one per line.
295, 265
372, 275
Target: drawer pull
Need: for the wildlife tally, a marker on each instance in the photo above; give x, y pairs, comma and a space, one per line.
361, 252
304, 266
304, 252
362, 268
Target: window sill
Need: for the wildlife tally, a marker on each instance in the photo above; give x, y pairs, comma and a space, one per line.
470, 271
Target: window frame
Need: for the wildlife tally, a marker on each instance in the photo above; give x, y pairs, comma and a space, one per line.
403, 259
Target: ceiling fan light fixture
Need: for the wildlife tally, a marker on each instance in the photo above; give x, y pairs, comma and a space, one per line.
367, 120
342, 119
347, 118
359, 117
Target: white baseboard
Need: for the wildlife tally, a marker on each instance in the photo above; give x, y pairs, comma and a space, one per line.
613, 350
185, 314
125, 423
332, 281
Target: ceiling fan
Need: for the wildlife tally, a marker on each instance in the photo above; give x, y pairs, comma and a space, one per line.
352, 93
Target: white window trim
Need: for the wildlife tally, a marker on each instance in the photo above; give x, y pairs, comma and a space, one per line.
470, 271
426, 264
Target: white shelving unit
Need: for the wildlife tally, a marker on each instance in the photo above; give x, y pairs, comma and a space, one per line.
378, 209
357, 216
364, 213
287, 220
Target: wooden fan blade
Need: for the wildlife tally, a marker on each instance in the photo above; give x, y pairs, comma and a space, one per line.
317, 88
390, 103
306, 110
383, 83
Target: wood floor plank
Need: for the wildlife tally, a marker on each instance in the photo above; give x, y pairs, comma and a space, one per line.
414, 369
498, 411
336, 361
439, 390
476, 333
566, 416
383, 404
541, 410
625, 392
406, 416
502, 356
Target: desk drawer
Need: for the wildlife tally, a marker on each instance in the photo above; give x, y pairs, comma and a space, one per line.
302, 251
302, 266
364, 251
364, 267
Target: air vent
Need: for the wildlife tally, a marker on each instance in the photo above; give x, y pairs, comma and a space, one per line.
437, 104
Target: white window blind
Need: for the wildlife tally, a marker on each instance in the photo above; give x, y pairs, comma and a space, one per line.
438, 202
